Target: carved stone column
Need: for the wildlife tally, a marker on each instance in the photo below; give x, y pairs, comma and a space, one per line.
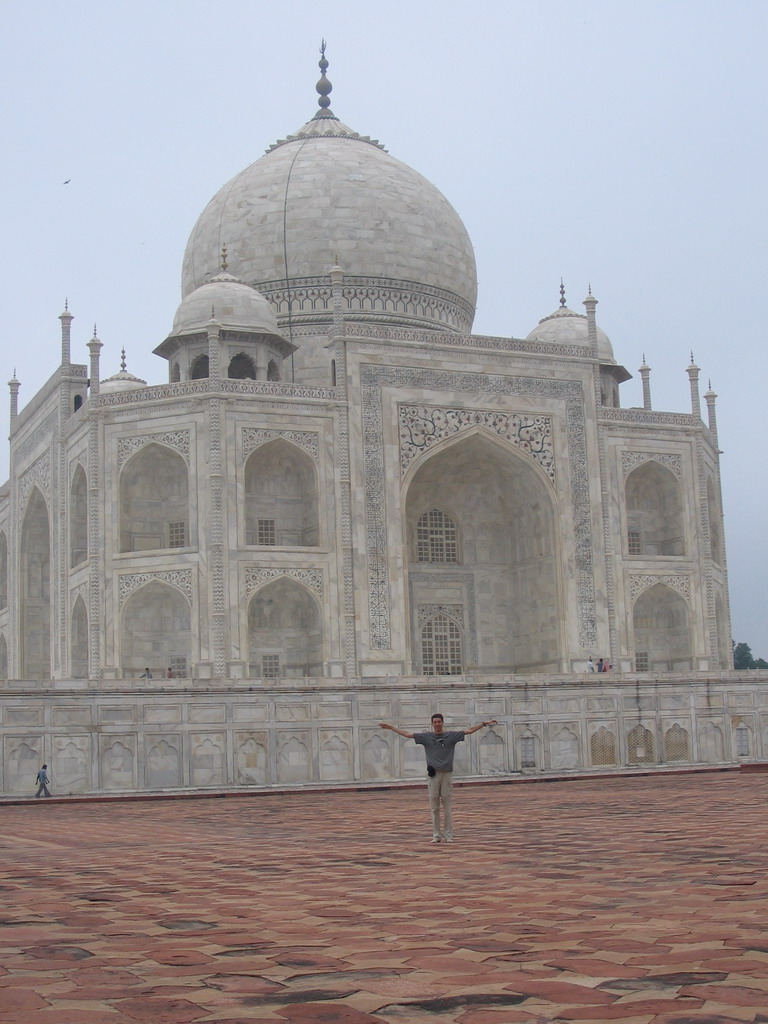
95, 522
216, 586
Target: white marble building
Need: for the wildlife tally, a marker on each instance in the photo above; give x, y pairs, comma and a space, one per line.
342, 505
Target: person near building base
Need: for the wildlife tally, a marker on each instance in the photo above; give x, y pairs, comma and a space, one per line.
439, 747
42, 779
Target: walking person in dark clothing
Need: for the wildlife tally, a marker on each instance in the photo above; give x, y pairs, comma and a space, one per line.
43, 780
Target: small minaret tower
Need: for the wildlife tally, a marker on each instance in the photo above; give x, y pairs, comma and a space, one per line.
95, 346
591, 304
710, 397
645, 374
66, 330
14, 386
693, 376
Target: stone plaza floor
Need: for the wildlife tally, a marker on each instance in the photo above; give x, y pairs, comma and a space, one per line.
639, 899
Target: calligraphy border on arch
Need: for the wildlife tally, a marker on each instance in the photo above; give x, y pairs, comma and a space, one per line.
373, 379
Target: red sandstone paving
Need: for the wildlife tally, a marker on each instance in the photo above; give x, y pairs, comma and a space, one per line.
641, 900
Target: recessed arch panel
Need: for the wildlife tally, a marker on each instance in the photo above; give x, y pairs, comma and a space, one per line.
78, 518
655, 525
662, 630
285, 633
35, 564
281, 506
154, 500
155, 632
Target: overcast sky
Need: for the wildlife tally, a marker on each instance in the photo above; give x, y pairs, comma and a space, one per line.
620, 143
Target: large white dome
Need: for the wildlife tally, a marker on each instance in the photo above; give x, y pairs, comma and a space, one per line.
328, 195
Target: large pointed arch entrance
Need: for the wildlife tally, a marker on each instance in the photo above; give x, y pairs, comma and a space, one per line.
483, 562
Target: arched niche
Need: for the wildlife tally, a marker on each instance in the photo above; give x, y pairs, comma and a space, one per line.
175, 374
78, 518
3, 570
78, 641
285, 633
241, 367
199, 368
662, 631
155, 632
35, 564
273, 370
281, 505
154, 500
654, 512
482, 545
715, 523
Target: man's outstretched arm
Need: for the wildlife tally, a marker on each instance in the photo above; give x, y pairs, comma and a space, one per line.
480, 725
393, 728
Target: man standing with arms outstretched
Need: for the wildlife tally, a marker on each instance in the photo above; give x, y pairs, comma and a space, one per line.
439, 747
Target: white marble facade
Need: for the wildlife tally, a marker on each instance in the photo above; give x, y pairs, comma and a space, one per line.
339, 483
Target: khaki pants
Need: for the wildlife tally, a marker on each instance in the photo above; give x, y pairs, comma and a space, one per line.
440, 792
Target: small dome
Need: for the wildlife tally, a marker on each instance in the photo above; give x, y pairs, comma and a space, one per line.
122, 381
231, 303
564, 327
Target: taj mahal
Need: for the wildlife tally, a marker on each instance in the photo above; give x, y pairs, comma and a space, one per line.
339, 506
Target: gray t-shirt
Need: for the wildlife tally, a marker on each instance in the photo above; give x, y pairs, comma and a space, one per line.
439, 749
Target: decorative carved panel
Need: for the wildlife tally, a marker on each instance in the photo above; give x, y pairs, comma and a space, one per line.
176, 439
181, 579
256, 576
639, 582
631, 460
422, 426
254, 437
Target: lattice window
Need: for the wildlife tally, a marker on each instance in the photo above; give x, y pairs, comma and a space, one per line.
177, 534
436, 537
602, 747
742, 741
633, 542
270, 666
676, 745
642, 661
640, 746
528, 752
178, 667
441, 653
266, 533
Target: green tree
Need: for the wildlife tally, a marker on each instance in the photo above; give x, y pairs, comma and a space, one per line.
742, 657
